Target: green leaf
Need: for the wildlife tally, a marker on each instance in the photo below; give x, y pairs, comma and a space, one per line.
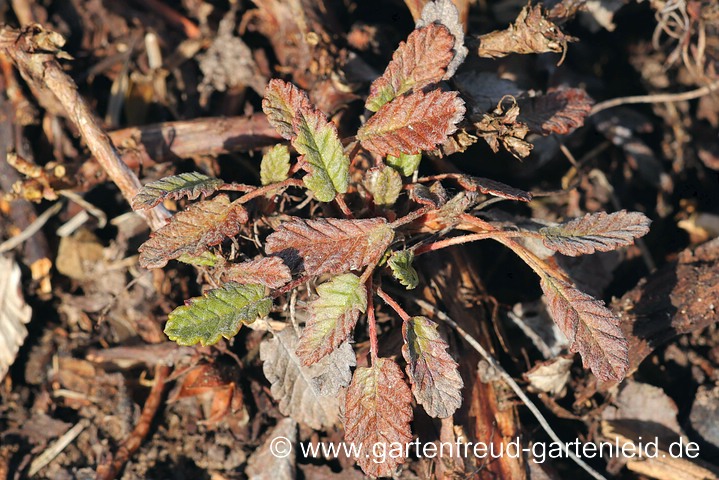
405, 164
190, 185
401, 264
205, 259
333, 316
275, 166
220, 313
322, 155
384, 184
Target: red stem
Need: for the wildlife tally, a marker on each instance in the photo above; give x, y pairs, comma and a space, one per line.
392, 303
290, 182
371, 323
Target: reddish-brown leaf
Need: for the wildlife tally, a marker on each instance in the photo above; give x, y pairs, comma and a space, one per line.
203, 224
597, 232
531, 32
331, 245
268, 271
591, 328
378, 410
412, 123
493, 187
445, 12
419, 62
433, 373
281, 103
560, 110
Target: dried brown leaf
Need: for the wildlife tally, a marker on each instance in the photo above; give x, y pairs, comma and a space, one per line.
595, 232
412, 123
378, 410
14, 314
531, 32
203, 224
445, 12
501, 126
434, 196
591, 328
331, 245
419, 62
268, 271
433, 373
560, 111
493, 187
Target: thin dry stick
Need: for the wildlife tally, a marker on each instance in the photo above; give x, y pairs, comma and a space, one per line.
31, 230
28, 48
656, 98
513, 385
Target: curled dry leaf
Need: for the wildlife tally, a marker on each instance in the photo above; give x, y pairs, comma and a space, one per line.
384, 183
550, 376
560, 111
445, 12
419, 62
531, 32
14, 314
595, 232
190, 185
591, 328
331, 245
493, 187
292, 385
412, 123
378, 410
190, 232
332, 317
433, 373
269, 271
502, 126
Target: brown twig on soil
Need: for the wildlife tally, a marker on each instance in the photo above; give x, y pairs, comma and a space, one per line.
33, 51
113, 467
656, 98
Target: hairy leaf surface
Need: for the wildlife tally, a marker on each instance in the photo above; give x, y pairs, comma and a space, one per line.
384, 183
190, 232
332, 317
219, 313
433, 373
275, 165
378, 409
281, 104
412, 123
445, 12
401, 264
269, 271
591, 328
559, 111
419, 62
596, 232
331, 245
406, 164
190, 185
204, 259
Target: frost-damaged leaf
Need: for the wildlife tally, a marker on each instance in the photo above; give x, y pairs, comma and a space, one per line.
532, 32
502, 126
269, 271
190, 185
595, 232
275, 165
492, 187
281, 103
220, 313
401, 264
433, 373
591, 328
203, 224
445, 12
331, 245
559, 111
14, 314
332, 317
419, 62
384, 183
412, 123
406, 164
378, 410
292, 386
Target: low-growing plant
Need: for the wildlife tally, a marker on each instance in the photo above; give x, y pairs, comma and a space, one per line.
371, 215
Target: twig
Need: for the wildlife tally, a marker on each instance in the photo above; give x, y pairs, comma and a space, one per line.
31, 230
513, 385
656, 98
392, 303
110, 470
54, 450
28, 50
